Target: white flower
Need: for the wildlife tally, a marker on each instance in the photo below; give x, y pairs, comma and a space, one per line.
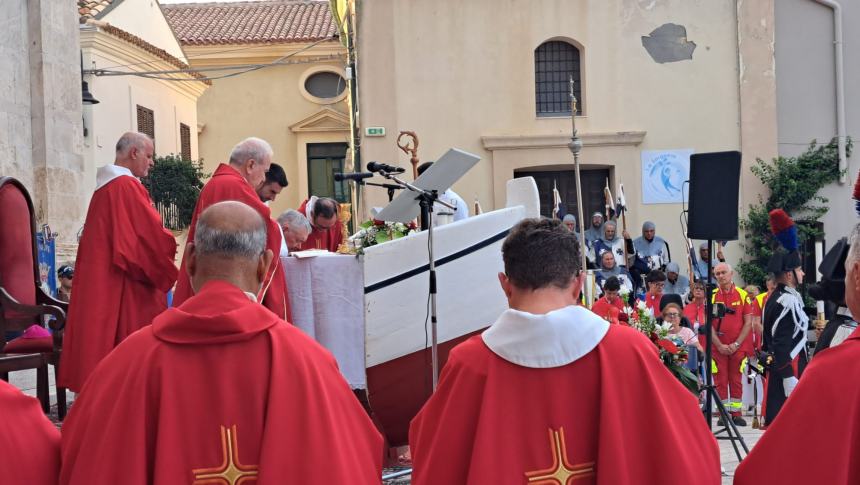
640, 305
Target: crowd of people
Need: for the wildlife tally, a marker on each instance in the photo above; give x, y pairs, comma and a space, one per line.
220, 388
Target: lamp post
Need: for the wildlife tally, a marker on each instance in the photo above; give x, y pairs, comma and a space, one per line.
575, 146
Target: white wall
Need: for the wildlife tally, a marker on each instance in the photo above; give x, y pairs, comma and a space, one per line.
117, 113
807, 96
144, 19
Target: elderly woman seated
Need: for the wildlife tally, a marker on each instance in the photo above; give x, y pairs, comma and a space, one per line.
672, 315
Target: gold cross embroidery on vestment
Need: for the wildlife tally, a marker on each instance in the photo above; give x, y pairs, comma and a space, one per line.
561, 472
231, 471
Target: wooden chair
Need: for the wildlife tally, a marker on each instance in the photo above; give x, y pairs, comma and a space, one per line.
22, 301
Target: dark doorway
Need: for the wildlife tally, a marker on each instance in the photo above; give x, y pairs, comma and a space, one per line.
593, 182
324, 159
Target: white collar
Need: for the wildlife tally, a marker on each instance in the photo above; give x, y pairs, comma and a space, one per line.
553, 339
250, 296
309, 207
109, 172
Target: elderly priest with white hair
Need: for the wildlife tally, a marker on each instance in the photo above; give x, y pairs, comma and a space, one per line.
238, 180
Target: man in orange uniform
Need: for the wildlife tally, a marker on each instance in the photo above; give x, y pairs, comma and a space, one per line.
731, 342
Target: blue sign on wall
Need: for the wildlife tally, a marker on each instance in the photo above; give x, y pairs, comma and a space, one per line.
663, 175
47, 254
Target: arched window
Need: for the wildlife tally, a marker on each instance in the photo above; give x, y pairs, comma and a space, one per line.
555, 62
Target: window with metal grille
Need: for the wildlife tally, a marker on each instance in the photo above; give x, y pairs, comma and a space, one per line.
185, 141
146, 122
555, 63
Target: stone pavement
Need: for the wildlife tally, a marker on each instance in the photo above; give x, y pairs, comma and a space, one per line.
728, 458
26, 381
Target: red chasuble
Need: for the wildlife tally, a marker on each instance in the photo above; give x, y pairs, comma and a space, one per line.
328, 239
124, 269
814, 439
29, 443
219, 386
613, 416
228, 184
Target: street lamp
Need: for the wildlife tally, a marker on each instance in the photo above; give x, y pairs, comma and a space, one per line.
86, 96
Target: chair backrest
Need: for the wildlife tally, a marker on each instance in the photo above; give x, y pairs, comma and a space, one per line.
692, 359
18, 271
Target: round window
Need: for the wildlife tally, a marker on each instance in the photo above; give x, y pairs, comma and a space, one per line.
325, 84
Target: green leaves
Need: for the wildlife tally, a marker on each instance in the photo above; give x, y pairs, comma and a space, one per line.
794, 183
174, 185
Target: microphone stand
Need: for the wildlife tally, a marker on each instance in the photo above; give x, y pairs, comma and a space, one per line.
426, 199
391, 188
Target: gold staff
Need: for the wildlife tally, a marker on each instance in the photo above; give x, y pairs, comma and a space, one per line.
575, 146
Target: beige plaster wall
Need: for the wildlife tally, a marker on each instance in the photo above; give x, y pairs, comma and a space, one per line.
806, 87
265, 103
459, 73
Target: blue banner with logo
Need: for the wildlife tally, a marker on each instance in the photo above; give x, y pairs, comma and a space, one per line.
47, 254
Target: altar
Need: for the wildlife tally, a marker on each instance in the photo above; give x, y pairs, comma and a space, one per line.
372, 311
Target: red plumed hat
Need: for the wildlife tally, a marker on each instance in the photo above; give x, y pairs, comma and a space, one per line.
857, 194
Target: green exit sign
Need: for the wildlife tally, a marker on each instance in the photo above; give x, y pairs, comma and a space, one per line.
374, 131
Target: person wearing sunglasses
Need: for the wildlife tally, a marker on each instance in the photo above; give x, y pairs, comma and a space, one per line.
672, 315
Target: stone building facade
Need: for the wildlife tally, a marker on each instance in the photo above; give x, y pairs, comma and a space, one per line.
40, 111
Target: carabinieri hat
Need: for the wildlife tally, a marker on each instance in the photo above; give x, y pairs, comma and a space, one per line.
787, 257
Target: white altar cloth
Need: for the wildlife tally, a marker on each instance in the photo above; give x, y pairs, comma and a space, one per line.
327, 299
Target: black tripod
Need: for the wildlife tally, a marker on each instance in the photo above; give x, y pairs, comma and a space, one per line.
731, 431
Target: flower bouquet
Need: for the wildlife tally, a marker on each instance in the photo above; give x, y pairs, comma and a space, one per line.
671, 348
375, 232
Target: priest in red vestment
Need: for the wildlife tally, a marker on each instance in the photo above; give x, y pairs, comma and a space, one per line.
125, 264
29, 443
249, 161
814, 438
220, 390
552, 394
327, 230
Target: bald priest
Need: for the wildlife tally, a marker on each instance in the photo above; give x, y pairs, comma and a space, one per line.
220, 390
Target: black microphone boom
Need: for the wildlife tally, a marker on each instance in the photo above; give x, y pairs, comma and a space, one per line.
357, 176
384, 167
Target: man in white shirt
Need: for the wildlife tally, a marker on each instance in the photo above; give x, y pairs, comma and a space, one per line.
449, 197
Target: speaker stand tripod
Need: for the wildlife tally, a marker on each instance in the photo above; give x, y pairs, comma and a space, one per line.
711, 396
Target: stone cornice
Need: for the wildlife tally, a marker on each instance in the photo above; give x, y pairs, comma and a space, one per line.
225, 55
525, 142
325, 119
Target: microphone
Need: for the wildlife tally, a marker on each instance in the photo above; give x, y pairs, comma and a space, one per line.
384, 167
357, 176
